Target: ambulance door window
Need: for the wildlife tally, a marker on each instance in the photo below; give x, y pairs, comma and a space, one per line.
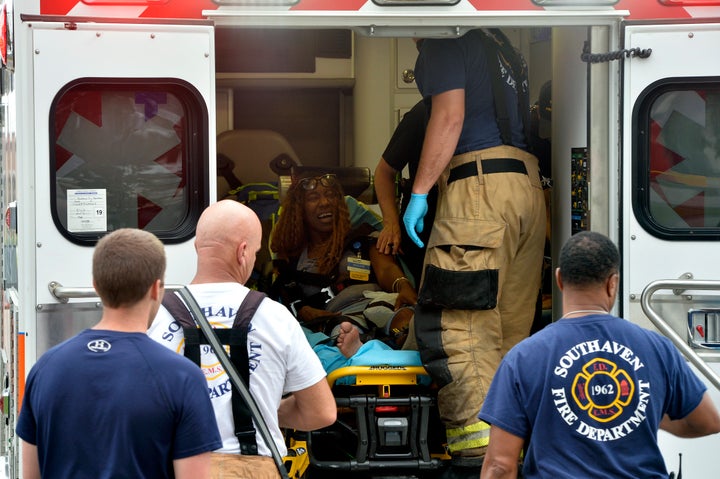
676, 165
128, 154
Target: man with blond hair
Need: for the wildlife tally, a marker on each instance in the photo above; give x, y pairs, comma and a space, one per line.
110, 402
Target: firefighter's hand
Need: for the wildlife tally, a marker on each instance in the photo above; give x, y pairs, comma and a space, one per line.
413, 218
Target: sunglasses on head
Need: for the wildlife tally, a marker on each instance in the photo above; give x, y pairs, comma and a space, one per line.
309, 184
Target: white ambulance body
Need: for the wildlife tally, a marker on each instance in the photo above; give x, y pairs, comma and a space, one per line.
113, 113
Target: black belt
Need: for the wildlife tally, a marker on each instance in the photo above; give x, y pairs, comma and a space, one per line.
493, 165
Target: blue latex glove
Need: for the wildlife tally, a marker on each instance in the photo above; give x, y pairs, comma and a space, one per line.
413, 217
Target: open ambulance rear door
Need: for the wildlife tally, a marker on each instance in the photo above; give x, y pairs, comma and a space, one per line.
671, 198
122, 138
116, 128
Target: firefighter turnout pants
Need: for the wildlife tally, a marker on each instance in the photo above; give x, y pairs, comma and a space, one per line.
481, 279
236, 466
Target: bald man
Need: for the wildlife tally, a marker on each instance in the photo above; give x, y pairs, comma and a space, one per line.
227, 238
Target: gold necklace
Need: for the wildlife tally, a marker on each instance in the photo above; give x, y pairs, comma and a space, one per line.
590, 311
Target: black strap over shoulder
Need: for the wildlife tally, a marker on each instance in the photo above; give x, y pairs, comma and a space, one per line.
242, 417
236, 339
180, 313
498, 46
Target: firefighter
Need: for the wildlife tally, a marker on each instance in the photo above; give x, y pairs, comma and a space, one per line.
483, 262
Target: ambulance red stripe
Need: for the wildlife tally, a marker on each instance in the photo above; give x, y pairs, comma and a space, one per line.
639, 9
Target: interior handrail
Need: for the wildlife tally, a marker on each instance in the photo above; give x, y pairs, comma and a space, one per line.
664, 328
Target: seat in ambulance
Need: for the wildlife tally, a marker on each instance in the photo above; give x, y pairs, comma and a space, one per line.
252, 156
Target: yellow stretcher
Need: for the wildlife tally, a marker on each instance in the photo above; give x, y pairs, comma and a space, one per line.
387, 421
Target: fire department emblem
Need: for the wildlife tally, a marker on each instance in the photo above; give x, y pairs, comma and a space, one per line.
602, 390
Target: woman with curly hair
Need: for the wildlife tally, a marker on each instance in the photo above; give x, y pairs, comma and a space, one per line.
328, 272
315, 218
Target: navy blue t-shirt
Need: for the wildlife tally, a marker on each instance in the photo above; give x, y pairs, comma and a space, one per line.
107, 404
592, 391
462, 63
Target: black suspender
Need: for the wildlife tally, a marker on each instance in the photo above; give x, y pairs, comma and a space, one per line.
500, 45
236, 339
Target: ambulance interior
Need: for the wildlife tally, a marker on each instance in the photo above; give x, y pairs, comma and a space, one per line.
331, 95
332, 98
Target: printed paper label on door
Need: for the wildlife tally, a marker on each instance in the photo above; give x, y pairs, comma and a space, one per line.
87, 210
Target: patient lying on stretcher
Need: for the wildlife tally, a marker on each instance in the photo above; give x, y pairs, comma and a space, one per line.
350, 350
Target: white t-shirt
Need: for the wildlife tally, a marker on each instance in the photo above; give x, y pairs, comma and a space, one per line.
280, 358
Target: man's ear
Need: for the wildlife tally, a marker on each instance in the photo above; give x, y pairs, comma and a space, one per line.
612, 284
155, 289
241, 251
558, 279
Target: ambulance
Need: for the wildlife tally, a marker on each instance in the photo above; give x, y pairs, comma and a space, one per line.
116, 113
